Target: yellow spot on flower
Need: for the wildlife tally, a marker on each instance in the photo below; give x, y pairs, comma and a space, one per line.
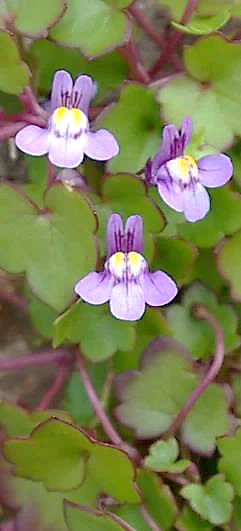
118, 259
60, 114
134, 259
186, 165
78, 117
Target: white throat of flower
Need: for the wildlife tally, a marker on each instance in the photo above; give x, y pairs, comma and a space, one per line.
67, 122
126, 266
183, 170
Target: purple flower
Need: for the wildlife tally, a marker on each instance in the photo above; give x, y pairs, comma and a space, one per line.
180, 179
126, 281
67, 136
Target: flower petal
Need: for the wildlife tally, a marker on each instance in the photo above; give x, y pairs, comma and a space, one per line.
95, 288
101, 145
114, 234
134, 234
61, 89
66, 152
186, 131
158, 288
127, 301
215, 170
167, 149
84, 90
171, 193
196, 202
33, 140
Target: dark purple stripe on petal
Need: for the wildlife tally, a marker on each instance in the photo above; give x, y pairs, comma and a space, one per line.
61, 89
95, 288
158, 288
114, 235
134, 234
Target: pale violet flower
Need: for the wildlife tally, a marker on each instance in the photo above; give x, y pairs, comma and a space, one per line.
181, 180
126, 281
68, 136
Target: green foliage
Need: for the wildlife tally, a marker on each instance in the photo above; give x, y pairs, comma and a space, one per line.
14, 73
229, 264
98, 333
198, 335
82, 517
137, 132
229, 448
79, 22
214, 106
47, 244
31, 17
152, 397
163, 455
212, 500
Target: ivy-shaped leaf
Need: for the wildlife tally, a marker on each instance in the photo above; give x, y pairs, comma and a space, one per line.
99, 334
55, 246
212, 500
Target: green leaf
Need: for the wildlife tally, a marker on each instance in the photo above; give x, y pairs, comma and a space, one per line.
190, 521
78, 27
76, 400
205, 24
63, 458
151, 325
197, 335
236, 513
127, 195
167, 250
152, 397
236, 387
212, 500
14, 73
200, 431
135, 122
162, 457
95, 329
42, 316
55, 246
157, 498
16, 420
211, 94
230, 449
31, 17
84, 518
205, 270
223, 219
108, 71
228, 256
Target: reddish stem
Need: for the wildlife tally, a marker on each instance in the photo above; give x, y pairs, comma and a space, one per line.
59, 381
145, 23
173, 41
202, 313
101, 414
137, 69
30, 103
52, 173
148, 519
33, 360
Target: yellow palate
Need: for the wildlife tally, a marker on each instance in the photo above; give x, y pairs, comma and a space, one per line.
186, 164
74, 116
118, 260
134, 259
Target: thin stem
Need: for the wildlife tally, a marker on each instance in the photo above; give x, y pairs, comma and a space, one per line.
30, 103
33, 360
137, 69
59, 381
202, 313
144, 22
173, 41
101, 414
52, 173
148, 519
